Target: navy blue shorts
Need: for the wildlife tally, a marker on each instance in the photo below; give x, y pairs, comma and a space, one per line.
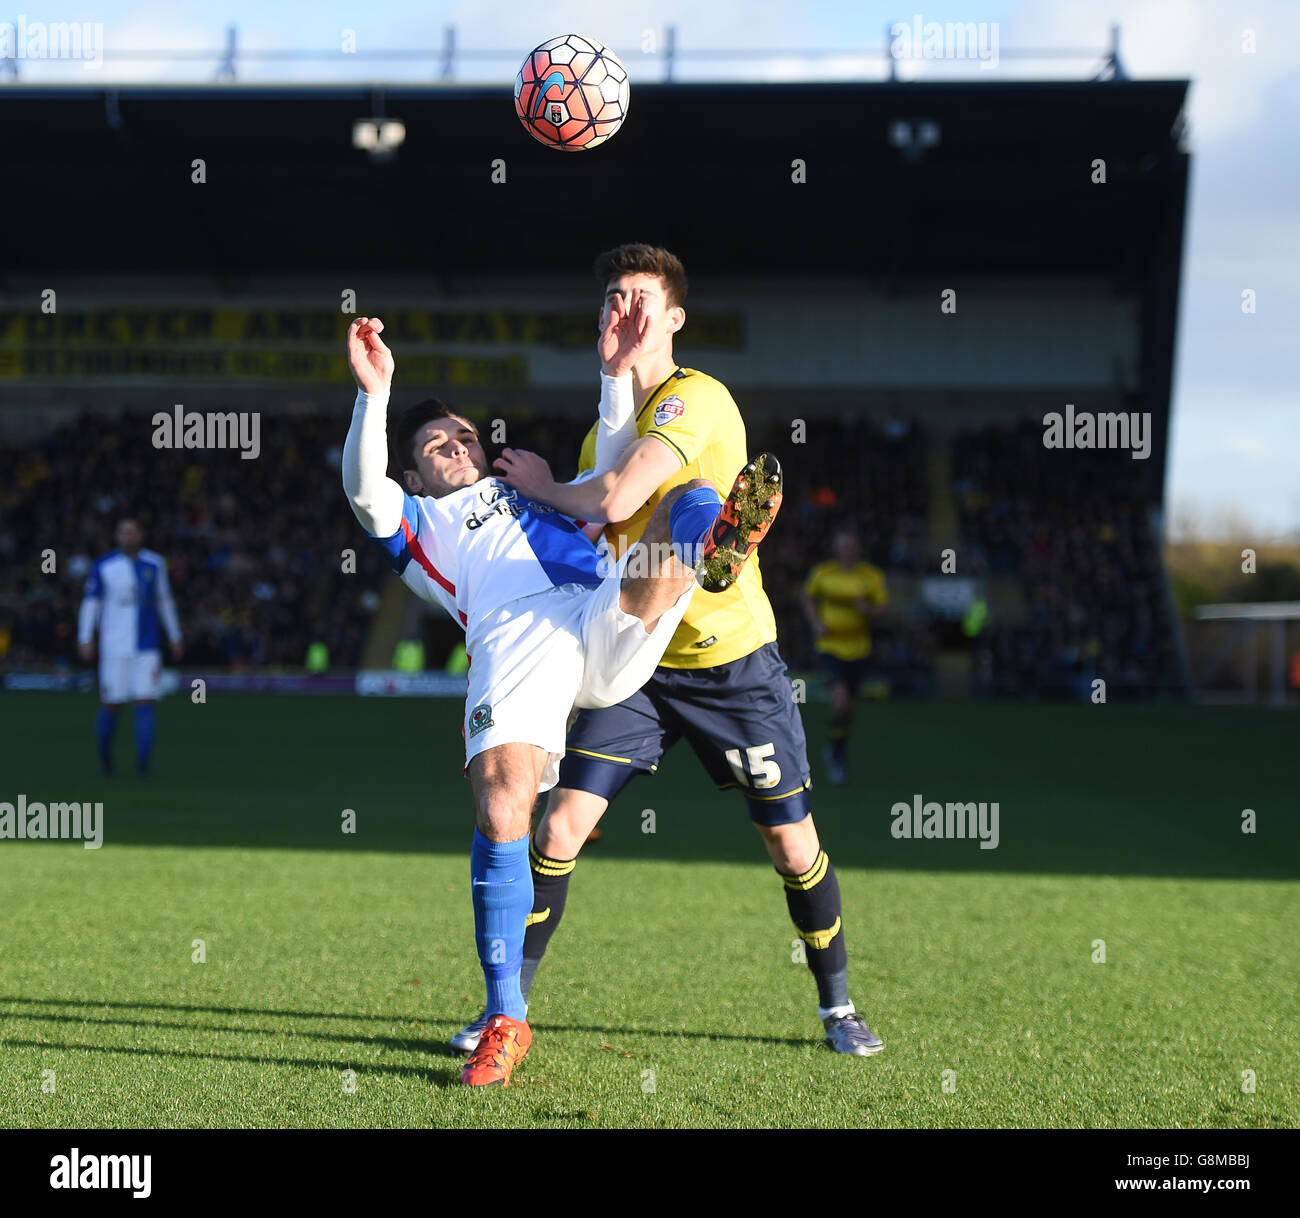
847, 672
740, 718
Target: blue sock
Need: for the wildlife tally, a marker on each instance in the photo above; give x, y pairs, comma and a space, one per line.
143, 735
502, 885
690, 520
105, 726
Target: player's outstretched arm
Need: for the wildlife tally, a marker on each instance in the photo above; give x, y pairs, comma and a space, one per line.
376, 499
615, 433
621, 481
616, 427
643, 468
621, 343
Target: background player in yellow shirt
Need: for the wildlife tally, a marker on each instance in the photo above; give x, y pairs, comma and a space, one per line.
722, 684
840, 598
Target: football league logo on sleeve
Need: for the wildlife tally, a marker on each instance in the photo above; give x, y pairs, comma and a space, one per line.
669, 411
480, 718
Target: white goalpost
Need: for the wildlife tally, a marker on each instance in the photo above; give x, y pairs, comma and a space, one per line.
1236, 629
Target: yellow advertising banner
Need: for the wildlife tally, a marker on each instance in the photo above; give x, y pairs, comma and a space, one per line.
296, 344
299, 366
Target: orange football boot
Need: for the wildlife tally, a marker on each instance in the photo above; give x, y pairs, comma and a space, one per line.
743, 522
504, 1044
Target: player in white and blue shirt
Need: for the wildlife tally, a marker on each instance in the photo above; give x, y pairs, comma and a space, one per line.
127, 605
550, 622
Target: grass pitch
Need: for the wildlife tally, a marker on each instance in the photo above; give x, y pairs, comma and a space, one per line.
336, 965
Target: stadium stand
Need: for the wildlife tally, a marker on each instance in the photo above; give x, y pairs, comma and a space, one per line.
253, 547
1075, 531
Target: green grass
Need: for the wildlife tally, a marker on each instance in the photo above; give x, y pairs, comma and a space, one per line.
329, 952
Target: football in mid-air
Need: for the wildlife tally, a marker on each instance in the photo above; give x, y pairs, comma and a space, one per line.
571, 93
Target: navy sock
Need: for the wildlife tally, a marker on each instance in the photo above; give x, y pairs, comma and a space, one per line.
550, 890
502, 887
526, 975
143, 735
814, 903
690, 520
105, 726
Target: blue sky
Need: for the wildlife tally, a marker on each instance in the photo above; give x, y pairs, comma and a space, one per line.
1235, 454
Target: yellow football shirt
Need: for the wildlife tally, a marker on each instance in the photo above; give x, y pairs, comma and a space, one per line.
834, 589
695, 416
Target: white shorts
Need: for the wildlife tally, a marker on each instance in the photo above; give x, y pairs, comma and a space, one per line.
136, 677
537, 658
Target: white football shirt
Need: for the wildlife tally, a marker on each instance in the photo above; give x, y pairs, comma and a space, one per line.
128, 599
485, 545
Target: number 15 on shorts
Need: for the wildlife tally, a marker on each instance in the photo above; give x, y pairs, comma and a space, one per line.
763, 771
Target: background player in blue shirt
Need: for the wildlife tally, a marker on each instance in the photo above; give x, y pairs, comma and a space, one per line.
127, 599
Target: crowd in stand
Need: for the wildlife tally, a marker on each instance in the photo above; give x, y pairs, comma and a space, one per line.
255, 548
1074, 528
870, 477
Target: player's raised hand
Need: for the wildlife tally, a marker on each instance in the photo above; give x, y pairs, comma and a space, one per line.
528, 473
371, 362
622, 341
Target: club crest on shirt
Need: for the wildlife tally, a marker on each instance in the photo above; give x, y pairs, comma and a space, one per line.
501, 500
669, 410
480, 718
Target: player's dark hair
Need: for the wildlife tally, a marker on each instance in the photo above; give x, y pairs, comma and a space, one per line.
410, 422
636, 258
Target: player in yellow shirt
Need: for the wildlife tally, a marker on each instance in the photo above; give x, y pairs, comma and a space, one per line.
722, 684
840, 598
